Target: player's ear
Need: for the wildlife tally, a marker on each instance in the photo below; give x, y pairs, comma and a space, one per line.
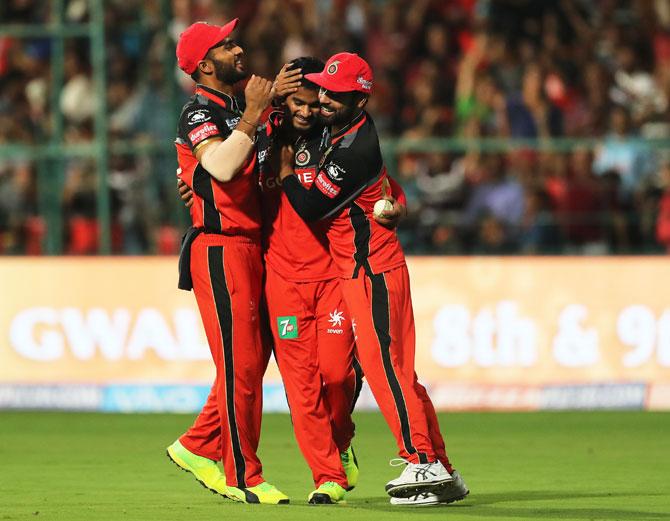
362, 102
205, 67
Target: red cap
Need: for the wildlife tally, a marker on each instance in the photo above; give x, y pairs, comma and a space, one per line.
197, 39
344, 72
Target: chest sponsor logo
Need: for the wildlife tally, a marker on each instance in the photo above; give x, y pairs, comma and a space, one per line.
287, 327
328, 188
198, 116
306, 176
335, 172
336, 319
202, 132
302, 157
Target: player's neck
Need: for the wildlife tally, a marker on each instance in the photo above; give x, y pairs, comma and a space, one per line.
336, 129
217, 85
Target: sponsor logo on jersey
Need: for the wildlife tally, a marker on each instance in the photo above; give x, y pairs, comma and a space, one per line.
332, 68
302, 157
336, 319
262, 156
335, 172
366, 84
306, 176
232, 122
287, 327
198, 116
269, 183
202, 132
326, 187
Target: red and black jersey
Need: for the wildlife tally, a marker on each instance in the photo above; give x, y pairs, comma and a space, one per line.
294, 249
231, 208
350, 178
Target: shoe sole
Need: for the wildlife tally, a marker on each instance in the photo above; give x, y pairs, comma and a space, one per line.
184, 468
417, 505
252, 499
413, 489
320, 499
432, 503
454, 499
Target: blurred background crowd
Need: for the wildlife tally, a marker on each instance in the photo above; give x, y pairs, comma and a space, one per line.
515, 126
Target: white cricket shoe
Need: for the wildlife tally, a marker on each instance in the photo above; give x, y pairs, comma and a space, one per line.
418, 478
454, 491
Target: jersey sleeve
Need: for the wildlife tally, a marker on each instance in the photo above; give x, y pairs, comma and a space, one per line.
397, 192
200, 123
343, 176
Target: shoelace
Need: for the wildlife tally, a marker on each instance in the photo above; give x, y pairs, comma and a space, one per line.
398, 462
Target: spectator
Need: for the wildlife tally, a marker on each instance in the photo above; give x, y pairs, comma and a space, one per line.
466, 69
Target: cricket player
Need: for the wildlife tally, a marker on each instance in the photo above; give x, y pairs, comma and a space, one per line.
350, 178
221, 260
313, 334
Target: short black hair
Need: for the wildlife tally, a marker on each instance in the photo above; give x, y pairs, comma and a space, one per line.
309, 65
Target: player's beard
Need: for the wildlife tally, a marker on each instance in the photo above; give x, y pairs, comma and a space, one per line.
228, 74
340, 117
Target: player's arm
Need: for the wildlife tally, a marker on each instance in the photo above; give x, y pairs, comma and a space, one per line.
224, 158
341, 179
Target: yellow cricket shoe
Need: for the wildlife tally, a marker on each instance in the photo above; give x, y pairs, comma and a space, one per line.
264, 494
350, 466
205, 470
328, 493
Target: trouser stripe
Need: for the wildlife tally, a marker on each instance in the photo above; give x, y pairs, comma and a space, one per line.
381, 319
225, 318
358, 381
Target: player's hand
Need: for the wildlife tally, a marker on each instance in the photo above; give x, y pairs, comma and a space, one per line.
185, 193
286, 160
287, 82
390, 218
258, 94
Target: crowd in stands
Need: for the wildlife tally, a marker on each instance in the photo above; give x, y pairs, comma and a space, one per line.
548, 122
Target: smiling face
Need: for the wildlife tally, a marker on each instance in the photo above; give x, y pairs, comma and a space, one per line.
303, 108
338, 108
227, 61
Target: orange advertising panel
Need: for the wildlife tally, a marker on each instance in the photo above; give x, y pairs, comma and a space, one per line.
519, 333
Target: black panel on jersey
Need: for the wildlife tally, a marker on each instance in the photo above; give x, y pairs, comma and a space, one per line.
202, 186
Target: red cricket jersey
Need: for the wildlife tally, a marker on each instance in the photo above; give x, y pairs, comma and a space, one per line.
231, 208
294, 249
350, 178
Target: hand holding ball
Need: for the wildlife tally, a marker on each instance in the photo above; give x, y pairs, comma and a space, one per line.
382, 206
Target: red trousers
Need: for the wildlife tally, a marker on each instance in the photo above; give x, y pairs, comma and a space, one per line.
381, 307
227, 281
314, 349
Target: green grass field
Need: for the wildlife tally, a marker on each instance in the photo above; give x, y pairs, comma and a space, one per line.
583, 466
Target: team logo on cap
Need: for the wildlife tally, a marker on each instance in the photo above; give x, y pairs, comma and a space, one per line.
366, 84
332, 68
302, 157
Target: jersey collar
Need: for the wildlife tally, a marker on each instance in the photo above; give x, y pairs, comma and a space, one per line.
352, 126
218, 97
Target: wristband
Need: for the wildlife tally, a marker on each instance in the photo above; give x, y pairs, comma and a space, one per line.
252, 125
